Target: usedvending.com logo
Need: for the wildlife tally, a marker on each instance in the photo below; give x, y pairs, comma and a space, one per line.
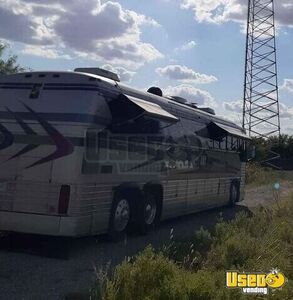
255, 283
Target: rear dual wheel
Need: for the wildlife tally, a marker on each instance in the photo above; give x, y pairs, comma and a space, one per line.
150, 214
135, 214
120, 218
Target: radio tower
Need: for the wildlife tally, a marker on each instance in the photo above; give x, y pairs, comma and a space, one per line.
261, 117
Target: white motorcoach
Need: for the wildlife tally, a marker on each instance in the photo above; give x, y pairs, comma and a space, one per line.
82, 154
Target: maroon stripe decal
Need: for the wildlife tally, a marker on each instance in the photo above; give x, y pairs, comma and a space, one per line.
63, 146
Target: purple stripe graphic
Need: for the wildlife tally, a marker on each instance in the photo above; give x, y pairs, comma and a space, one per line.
64, 146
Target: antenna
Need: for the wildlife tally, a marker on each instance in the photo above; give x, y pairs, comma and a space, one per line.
261, 115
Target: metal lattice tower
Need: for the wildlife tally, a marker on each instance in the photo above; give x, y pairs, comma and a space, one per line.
261, 116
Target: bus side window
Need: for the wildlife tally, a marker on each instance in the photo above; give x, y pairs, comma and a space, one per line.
223, 143
241, 145
90, 163
196, 133
217, 144
229, 143
142, 125
211, 143
176, 132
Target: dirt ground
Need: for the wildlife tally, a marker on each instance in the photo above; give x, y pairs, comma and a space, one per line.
266, 195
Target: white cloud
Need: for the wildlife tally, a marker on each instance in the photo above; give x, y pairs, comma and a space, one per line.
287, 128
287, 85
185, 74
220, 11
285, 111
124, 74
192, 95
187, 46
232, 110
44, 51
237, 107
216, 11
90, 28
233, 106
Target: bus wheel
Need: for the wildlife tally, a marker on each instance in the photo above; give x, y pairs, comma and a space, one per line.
234, 193
119, 219
150, 213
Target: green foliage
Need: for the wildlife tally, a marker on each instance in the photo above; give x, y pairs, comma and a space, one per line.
148, 276
256, 175
190, 254
151, 276
258, 243
8, 65
282, 146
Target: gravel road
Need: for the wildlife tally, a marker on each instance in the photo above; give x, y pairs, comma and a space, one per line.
29, 277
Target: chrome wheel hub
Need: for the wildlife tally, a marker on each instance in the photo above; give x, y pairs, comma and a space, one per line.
122, 215
150, 212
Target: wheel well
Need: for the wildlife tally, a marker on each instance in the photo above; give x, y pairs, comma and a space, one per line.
133, 193
136, 195
130, 192
235, 182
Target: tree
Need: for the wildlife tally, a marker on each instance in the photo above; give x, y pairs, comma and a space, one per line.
8, 65
282, 146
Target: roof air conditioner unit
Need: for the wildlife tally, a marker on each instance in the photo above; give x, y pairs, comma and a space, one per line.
99, 72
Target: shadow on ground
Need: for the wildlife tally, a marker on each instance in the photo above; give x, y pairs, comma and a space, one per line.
26, 276
182, 227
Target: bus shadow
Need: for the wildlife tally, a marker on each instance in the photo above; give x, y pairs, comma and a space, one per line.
99, 248
90, 254
180, 228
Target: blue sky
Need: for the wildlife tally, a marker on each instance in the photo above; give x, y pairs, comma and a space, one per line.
192, 48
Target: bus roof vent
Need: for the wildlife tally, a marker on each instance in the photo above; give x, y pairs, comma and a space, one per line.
208, 110
99, 72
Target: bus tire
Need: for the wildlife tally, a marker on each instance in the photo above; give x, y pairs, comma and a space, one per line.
150, 213
234, 193
119, 218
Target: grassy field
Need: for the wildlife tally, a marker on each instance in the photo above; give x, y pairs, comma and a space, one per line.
195, 269
256, 176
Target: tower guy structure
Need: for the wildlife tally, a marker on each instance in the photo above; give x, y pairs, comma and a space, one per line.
261, 117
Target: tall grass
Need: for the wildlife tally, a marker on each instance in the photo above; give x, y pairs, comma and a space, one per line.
257, 175
196, 269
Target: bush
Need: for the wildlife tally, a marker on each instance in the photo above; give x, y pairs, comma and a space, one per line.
147, 276
190, 253
258, 243
256, 175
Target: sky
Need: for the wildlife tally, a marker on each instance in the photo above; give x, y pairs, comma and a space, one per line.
190, 48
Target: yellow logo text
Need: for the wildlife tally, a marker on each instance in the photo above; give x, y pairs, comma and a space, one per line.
257, 283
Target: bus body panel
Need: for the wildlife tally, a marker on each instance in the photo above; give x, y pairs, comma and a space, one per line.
44, 109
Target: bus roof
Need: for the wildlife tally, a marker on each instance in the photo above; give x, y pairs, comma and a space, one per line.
82, 77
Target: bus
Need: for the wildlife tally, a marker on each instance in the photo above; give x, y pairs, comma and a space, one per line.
82, 154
